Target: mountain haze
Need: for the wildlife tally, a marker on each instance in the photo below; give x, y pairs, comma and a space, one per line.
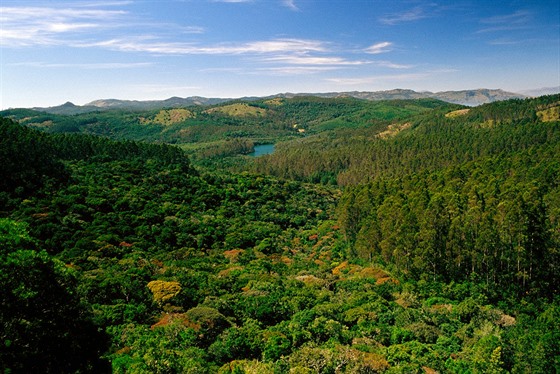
542, 91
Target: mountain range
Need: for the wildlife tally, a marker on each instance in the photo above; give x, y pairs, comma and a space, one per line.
464, 97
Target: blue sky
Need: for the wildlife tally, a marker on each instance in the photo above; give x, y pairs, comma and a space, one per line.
57, 51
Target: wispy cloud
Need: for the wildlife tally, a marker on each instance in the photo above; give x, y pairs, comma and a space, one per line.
230, 70
284, 45
88, 66
192, 30
292, 70
507, 22
505, 41
443, 71
405, 16
382, 47
391, 65
231, 1
148, 45
293, 56
97, 4
291, 4
315, 60
161, 88
276, 70
521, 16
86, 26
379, 78
44, 15
27, 26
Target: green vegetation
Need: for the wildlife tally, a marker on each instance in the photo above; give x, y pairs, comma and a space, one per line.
169, 117
213, 131
388, 237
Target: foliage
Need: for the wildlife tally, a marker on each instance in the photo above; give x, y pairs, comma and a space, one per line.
446, 260
427, 141
164, 291
27, 160
45, 327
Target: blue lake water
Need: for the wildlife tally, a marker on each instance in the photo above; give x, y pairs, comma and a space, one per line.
262, 149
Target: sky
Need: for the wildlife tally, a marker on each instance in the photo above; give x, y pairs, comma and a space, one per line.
52, 52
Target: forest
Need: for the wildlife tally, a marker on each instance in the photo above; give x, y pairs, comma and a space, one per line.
404, 236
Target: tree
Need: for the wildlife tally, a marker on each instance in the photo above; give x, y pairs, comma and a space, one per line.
27, 159
45, 328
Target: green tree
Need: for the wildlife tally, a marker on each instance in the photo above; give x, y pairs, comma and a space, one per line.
45, 327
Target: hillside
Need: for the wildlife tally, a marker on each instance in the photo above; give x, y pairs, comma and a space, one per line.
410, 236
429, 141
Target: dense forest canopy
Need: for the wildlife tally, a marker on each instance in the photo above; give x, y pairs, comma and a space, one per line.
409, 236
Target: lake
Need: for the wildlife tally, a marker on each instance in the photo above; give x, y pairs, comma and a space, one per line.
262, 149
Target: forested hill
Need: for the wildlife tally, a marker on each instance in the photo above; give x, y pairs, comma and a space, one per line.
471, 193
239, 122
433, 140
394, 237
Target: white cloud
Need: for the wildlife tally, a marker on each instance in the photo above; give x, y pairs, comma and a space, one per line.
71, 26
60, 27
315, 60
521, 16
27, 12
284, 45
290, 4
27, 26
382, 47
391, 65
148, 45
406, 16
508, 22
89, 66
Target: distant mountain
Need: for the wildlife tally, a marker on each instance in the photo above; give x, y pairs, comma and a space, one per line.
68, 108
172, 102
396, 94
542, 91
109, 104
466, 97
476, 97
